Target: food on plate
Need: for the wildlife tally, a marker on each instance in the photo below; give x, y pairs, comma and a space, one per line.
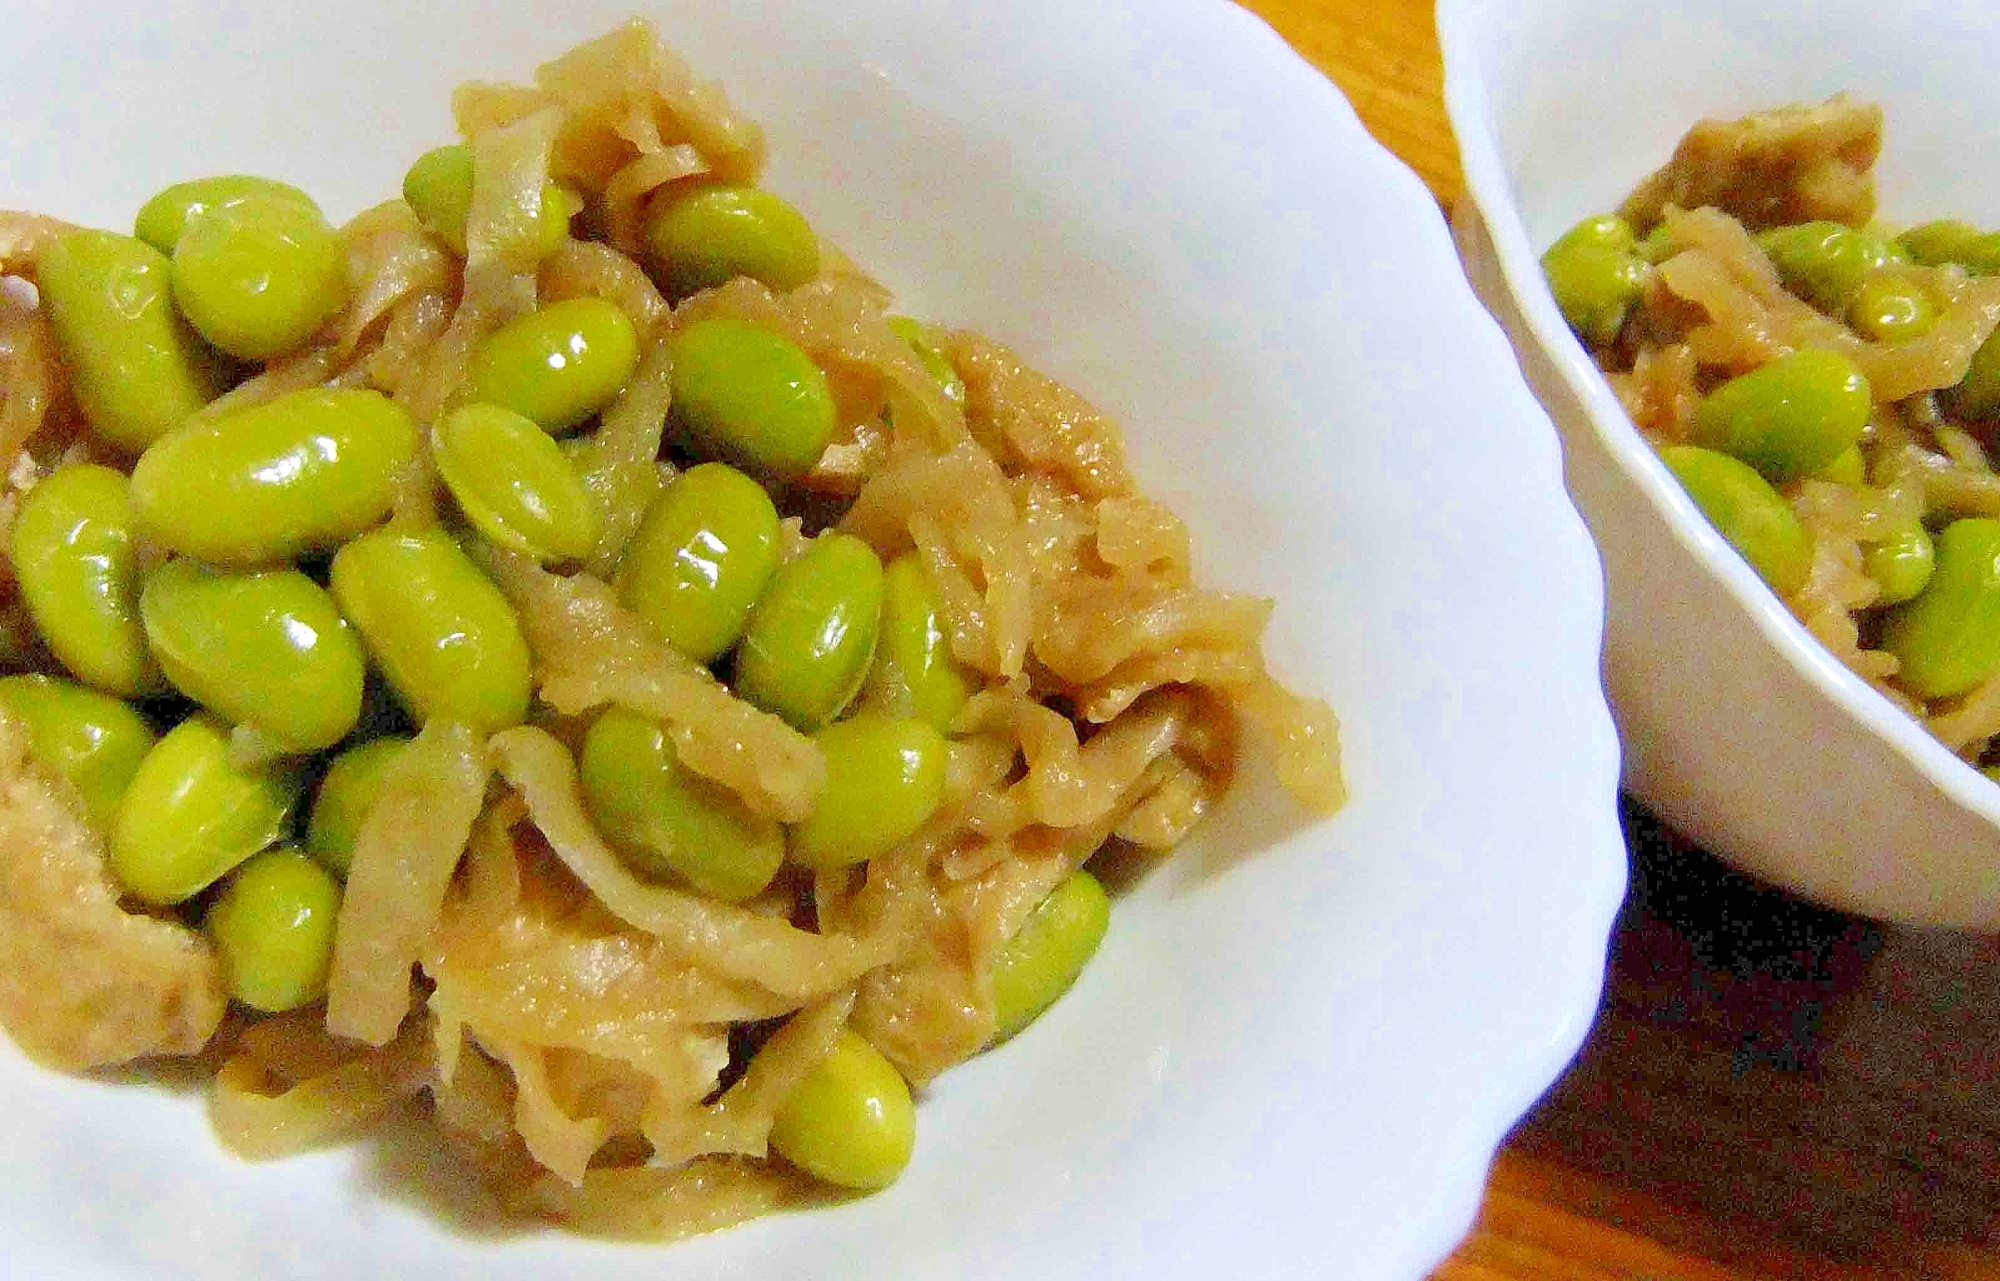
563, 654
1826, 388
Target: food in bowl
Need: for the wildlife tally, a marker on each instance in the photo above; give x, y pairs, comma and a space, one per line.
1825, 389
556, 646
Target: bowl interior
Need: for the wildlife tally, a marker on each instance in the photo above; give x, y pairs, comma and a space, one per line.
1652, 74
1303, 1039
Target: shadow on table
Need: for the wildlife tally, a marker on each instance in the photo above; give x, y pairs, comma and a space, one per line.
1783, 1069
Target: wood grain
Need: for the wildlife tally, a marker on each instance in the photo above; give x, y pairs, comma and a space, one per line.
1384, 56
1771, 1091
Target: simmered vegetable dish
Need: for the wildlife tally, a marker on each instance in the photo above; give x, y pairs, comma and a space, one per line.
557, 652
1825, 387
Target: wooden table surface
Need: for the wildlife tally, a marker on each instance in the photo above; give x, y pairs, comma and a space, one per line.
1770, 1090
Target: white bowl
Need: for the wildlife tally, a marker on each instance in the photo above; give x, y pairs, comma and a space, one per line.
1302, 1042
1739, 728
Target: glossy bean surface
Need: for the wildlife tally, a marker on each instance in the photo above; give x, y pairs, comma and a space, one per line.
1043, 959
884, 778
1594, 287
668, 822
850, 1122
707, 234
1891, 306
76, 556
702, 558
1901, 564
1746, 511
266, 648
559, 364
87, 736
190, 814
446, 638
138, 368
811, 638
514, 484
1599, 231
1825, 262
1788, 418
304, 472
162, 218
273, 931
1948, 638
258, 276
751, 397
914, 672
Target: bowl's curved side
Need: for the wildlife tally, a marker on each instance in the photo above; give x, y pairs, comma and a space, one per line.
1738, 726
1716, 723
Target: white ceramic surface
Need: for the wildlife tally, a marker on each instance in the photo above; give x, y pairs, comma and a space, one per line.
1738, 728
1299, 1047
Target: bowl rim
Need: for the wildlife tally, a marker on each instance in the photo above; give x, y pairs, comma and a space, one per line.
1467, 106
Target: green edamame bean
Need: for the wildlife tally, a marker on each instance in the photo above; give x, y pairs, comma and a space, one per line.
347, 791
304, 472
667, 821
1047, 953
1891, 306
1901, 564
1596, 273
162, 219
850, 1121
137, 367
190, 814
267, 649
915, 333
558, 364
704, 235
1600, 231
259, 275
703, 556
812, 636
884, 778
442, 632
273, 931
1747, 512
514, 484
1657, 245
1788, 418
914, 672
90, 738
1977, 395
77, 560
751, 397
1848, 469
1936, 243
1948, 638
1594, 287
438, 189
1824, 262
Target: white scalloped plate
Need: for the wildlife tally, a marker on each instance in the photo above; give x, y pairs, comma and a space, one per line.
1302, 1041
